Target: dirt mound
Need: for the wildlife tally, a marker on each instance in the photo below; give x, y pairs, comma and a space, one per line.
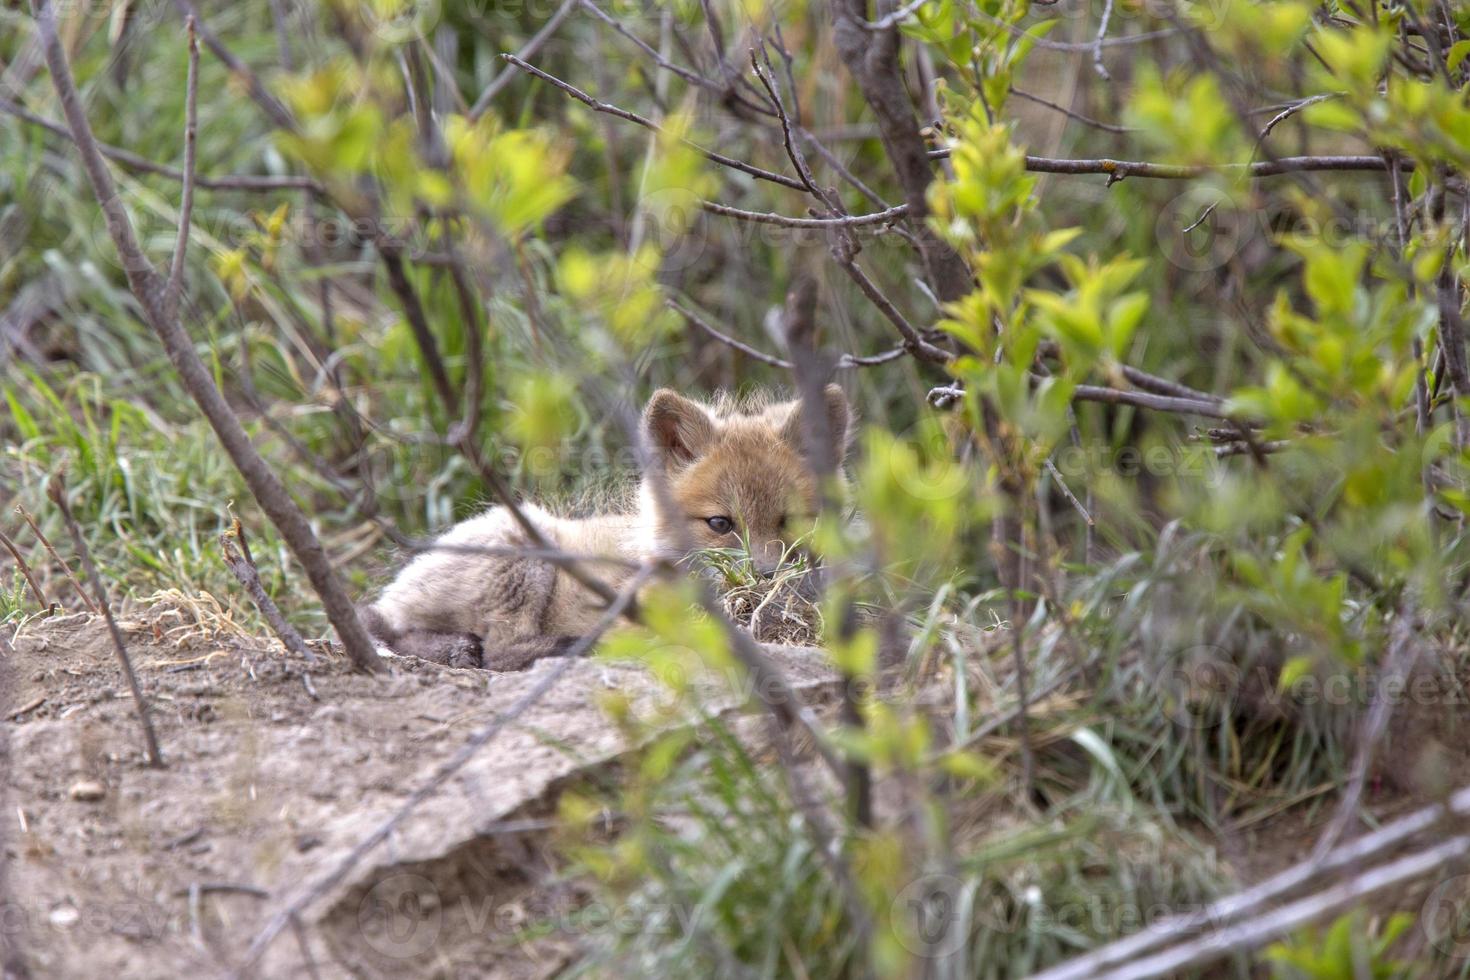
275, 770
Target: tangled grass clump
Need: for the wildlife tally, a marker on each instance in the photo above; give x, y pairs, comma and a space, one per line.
778, 608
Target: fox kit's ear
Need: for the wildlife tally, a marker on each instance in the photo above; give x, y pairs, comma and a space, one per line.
839, 422
678, 430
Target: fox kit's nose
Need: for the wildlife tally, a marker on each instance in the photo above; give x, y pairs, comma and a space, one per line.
767, 558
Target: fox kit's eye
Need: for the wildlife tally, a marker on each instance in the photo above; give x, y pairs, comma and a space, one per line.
781, 524
720, 525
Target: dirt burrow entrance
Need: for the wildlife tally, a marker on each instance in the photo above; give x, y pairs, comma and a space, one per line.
118, 870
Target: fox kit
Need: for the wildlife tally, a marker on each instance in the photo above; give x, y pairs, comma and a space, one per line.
732, 474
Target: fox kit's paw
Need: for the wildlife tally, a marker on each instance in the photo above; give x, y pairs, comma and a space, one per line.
450, 649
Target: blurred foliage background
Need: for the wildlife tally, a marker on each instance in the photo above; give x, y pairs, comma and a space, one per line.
1295, 509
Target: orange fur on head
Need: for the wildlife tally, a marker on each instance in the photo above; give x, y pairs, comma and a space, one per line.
735, 474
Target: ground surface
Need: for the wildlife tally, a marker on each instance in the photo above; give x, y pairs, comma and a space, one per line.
276, 769
119, 870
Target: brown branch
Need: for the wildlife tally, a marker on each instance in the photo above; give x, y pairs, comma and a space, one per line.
458, 436
528, 50
871, 58
150, 290
845, 361
1119, 169
652, 126
1071, 114
132, 161
1159, 403
1265, 895
418, 324
913, 342
25, 570
471, 310
242, 564
65, 567
1452, 342
278, 113
1163, 386
186, 204
56, 490
787, 221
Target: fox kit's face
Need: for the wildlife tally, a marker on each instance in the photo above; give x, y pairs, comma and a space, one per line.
737, 480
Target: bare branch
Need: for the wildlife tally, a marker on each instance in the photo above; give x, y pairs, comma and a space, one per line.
149, 288
871, 58
1159, 403
132, 161
1163, 386
1265, 895
56, 491
65, 567
242, 564
1097, 46
845, 361
527, 51
889, 21
25, 571
786, 221
652, 126
913, 342
186, 204
1070, 114
278, 113
1275, 923
1119, 169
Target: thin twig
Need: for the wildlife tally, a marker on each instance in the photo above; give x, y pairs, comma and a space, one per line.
132, 161
1159, 403
1119, 169
1265, 895
25, 570
913, 342
898, 16
1163, 386
1254, 933
1097, 46
413, 311
186, 203
527, 51
1056, 475
149, 288
787, 221
243, 566
1403, 655
56, 491
1072, 114
652, 126
65, 566
845, 361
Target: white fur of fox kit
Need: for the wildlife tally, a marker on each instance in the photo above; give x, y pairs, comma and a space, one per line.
734, 472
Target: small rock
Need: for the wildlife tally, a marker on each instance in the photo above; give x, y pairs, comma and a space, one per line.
87, 791
65, 915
